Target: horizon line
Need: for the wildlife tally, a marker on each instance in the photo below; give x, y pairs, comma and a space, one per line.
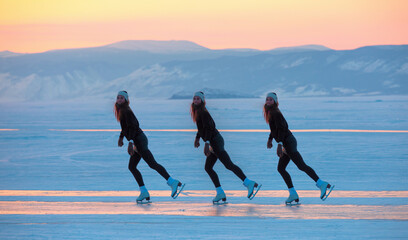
232, 48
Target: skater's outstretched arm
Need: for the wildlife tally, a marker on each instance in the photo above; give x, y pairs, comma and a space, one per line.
120, 141
272, 126
197, 141
132, 124
282, 128
269, 143
208, 126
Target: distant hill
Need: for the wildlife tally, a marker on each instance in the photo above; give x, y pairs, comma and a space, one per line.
9, 54
303, 47
159, 46
173, 69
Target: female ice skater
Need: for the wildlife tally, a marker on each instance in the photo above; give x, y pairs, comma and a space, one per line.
214, 149
281, 133
138, 149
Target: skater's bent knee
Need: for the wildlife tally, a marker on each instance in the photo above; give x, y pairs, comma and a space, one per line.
208, 169
154, 166
132, 167
303, 168
231, 167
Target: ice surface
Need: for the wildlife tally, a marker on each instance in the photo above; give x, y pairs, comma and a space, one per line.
37, 158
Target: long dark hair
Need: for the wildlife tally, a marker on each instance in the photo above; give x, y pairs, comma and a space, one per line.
195, 111
118, 108
268, 110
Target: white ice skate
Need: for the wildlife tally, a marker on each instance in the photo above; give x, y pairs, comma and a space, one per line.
253, 188
324, 186
143, 198
220, 199
293, 199
176, 188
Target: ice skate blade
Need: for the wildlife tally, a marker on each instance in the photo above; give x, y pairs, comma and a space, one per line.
327, 194
254, 194
220, 203
144, 201
179, 191
292, 204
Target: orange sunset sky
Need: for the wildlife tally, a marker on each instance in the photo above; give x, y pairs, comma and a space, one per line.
40, 25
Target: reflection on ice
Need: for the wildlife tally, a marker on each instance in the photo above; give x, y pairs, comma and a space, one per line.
312, 211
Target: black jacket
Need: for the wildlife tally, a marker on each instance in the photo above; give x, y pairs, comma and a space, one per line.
279, 127
206, 126
129, 124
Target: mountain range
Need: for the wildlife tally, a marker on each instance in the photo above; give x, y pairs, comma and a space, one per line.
176, 69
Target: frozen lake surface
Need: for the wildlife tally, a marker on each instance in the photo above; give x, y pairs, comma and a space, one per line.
369, 170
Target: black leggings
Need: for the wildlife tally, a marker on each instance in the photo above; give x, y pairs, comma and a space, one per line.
290, 145
143, 152
217, 145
